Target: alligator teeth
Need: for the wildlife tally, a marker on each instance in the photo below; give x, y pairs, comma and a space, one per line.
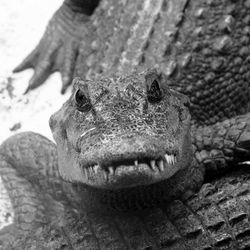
152, 164
161, 165
95, 168
167, 157
86, 172
136, 163
170, 159
91, 170
105, 173
175, 159
111, 170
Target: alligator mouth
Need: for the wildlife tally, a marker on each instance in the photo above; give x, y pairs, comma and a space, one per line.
131, 172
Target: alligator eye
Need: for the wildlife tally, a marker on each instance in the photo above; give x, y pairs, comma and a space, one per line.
154, 92
82, 102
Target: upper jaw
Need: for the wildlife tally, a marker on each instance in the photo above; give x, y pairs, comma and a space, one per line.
128, 161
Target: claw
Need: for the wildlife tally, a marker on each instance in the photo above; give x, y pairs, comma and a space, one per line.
28, 62
27, 90
44, 68
57, 50
40, 75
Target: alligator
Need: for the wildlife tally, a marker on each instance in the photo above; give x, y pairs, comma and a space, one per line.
202, 46
138, 191
126, 142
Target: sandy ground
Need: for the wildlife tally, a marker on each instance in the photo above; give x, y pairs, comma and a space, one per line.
22, 22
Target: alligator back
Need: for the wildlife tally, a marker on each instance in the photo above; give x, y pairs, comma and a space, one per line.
201, 46
216, 218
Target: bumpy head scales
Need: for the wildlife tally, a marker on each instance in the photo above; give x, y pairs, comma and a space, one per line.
122, 131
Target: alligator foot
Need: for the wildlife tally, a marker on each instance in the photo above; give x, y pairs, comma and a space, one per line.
58, 48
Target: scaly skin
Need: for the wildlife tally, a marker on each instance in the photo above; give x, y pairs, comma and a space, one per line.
25, 160
118, 121
140, 205
59, 46
201, 47
216, 218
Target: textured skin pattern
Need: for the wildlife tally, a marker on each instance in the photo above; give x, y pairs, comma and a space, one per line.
111, 121
223, 144
59, 46
200, 45
204, 227
28, 167
202, 48
216, 218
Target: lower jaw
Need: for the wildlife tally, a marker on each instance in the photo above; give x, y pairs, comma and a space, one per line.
127, 199
138, 197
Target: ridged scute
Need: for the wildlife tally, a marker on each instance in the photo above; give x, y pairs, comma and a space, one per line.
201, 47
216, 218
222, 144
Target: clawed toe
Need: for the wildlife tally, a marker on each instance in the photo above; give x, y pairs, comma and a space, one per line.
45, 62
57, 51
29, 62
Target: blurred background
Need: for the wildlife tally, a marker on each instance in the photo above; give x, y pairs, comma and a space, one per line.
22, 23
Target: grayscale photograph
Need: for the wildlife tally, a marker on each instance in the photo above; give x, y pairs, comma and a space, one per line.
125, 125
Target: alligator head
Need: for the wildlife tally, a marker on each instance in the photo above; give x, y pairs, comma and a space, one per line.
122, 131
